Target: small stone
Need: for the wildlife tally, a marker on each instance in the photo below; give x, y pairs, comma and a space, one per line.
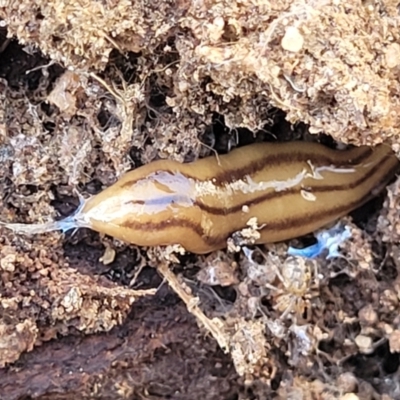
349, 396
392, 55
108, 257
293, 40
394, 341
364, 343
347, 382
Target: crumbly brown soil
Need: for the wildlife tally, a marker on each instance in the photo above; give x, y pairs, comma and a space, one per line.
91, 89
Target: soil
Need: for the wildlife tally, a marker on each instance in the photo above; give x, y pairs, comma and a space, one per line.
89, 92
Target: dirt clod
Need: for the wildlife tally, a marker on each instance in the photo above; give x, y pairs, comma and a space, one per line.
91, 89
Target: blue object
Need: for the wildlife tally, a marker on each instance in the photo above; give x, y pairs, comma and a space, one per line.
329, 239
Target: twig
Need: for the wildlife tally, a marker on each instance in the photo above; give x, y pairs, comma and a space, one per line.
192, 306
